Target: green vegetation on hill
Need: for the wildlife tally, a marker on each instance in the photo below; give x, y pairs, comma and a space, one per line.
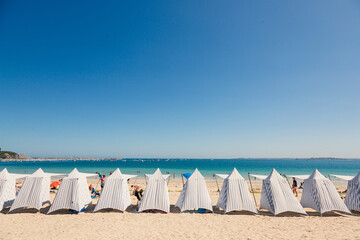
8, 154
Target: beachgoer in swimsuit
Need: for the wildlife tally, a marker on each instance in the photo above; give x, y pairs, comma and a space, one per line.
294, 187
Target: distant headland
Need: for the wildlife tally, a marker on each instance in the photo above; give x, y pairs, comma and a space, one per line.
11, 155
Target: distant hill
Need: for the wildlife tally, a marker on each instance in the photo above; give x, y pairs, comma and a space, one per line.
8, 154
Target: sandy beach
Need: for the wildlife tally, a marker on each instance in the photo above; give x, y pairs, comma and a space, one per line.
172, 89
28, 224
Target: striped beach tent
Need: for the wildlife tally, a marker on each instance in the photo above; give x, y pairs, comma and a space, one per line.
320, 194
73, 192
194, 194
352, 200
156, 195
235, 194
7, 187
277, 197
115, 194
35, 191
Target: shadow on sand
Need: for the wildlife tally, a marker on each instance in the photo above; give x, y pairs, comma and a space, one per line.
173, 209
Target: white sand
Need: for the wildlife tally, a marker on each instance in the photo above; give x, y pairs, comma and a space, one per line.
128, 225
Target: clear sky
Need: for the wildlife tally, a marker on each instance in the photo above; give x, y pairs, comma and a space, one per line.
217, 79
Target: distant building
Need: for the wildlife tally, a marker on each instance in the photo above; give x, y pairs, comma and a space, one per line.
22, 156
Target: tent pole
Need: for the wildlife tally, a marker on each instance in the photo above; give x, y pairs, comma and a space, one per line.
287, 181
97, 184
252, 189
182, 179
216, 182
145, 179
330, 177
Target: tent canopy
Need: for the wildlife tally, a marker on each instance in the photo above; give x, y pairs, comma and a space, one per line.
320, 194
53, 175
235, 194
115, 194
34, 192
87, 175
223, 176
128, 176
301, 177
73, 192
156, 195
316, 175
7, 187
277, 197
5, 174
343, 177
165, 176
262, 177
186, 175
352, 200
194, 194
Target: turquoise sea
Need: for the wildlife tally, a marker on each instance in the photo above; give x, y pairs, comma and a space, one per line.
178, 166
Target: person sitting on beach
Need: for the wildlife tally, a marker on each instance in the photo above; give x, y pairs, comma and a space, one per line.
342, 196
55, 185
301, 185
93, 191
138, 192
294, 187
18, 187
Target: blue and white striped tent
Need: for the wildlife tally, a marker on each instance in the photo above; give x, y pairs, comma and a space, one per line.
35, 191
73, 192
7, 187
115, 194
352, 200
194, 194
277, 197
156, 195
320, 194
235, 194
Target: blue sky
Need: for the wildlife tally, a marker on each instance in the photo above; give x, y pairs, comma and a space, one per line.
180, 78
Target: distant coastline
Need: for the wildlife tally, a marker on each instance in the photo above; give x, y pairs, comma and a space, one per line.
163, 159
58, 159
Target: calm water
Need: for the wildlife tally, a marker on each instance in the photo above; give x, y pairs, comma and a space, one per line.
207, 166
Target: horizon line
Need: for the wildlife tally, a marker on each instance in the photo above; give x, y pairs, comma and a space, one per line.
187, 158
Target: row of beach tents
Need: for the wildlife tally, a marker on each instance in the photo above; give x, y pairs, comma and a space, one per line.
319, 193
